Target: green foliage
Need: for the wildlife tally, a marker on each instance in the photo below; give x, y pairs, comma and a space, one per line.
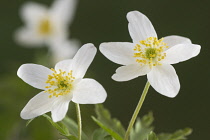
112, 129
114, 134
152, 136
111, 125
73, 127
143, 130
63, 130
177, 135
142, 127
104, 116
101, 134
67, 128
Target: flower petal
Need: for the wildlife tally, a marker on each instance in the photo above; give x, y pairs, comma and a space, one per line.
32, 11
164, 80
140, 27
89, 91
129, 72
173, 40
35, 75
28, 38
64, 65
59, 110
118, 52
181, 52
38, 105
83, 59
64, 10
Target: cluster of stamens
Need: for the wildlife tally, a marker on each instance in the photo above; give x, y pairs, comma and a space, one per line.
150, 51
45, 27
60, 83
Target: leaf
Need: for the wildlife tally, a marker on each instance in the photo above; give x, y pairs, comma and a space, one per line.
63, 130
104, 116
73, 127
29, 121
101, 134
57, 126
177, 135
143, 127
115, 135
72, 137
152, 136
108, 138
147, 120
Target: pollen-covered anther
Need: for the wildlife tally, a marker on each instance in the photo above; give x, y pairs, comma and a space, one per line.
150, 51
60, 83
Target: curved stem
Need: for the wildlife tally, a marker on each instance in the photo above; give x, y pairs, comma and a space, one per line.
136, 112
79, 121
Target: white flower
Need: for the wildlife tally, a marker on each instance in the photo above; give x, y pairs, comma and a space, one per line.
61, 85
43, 24
148, 55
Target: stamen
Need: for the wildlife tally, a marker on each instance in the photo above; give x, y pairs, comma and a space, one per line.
60, 83
150, 51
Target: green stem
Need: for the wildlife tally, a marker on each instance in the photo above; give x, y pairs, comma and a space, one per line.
79, 121
136, 112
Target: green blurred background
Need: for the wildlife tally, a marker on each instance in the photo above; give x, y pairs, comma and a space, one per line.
98, 21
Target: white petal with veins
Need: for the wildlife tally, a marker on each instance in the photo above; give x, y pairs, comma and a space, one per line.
89, 91
38, 105
129, 72
118, 52
164, 80
64, 65
59, 110
173, 40
83, 59
181, 52
140, 27
35, 75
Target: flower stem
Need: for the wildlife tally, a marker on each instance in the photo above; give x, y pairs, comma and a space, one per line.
136, 112
79, 121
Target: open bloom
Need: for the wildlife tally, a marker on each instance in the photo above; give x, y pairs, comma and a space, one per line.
42, 24
61, 85
149, 55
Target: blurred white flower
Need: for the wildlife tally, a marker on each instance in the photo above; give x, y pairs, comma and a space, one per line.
63, 49
43, 24
61, 85
148, 55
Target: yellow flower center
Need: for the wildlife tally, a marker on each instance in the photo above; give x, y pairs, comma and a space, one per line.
150, 51
60, 83
45, 27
